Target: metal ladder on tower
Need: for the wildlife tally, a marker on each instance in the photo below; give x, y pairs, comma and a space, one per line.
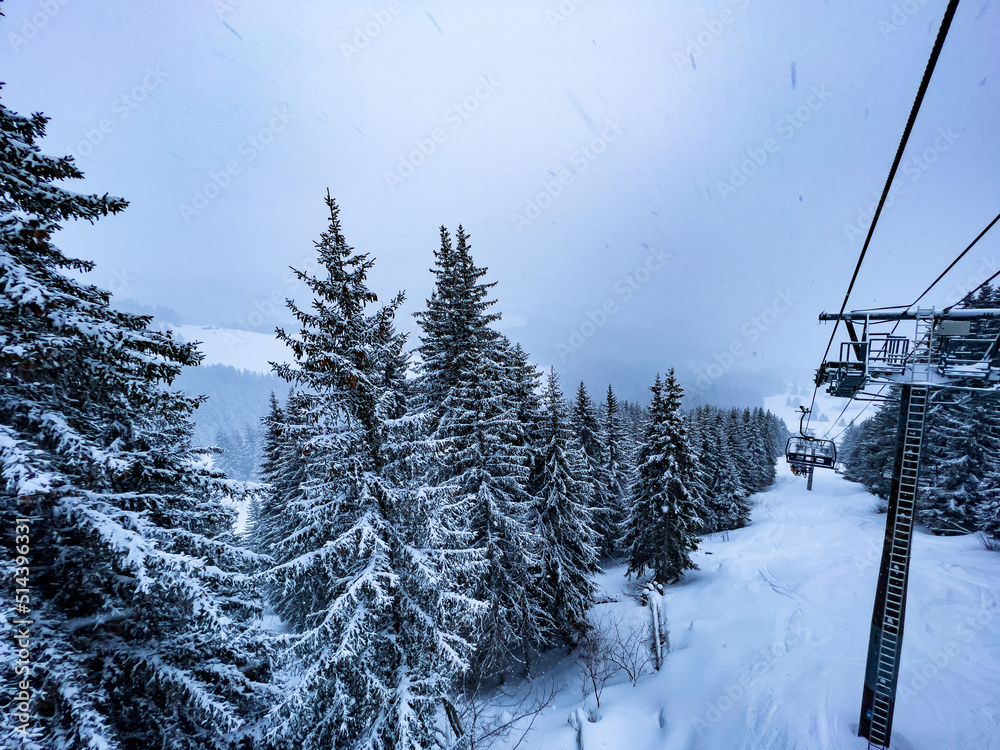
890, 602
922, 356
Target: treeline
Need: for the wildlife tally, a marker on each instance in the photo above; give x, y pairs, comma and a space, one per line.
443, 530
959, 490
420, 536
236, 401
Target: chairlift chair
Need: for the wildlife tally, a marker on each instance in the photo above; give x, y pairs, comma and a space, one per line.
809, 452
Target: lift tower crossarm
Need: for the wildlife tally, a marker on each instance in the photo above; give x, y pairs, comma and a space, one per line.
963, 314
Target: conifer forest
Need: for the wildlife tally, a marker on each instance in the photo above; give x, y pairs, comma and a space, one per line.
437, 520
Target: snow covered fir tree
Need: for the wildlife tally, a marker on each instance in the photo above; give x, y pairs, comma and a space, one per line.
473, 403
141, 600
604, 488
564, 519
362, 580
666, 504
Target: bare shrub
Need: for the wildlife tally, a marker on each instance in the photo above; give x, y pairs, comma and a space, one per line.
482, 717
989, 542
612, 646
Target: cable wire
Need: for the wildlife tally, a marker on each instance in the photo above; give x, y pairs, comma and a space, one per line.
858, 415
954, 262
970, 295
839, 416
952, 265
949, 14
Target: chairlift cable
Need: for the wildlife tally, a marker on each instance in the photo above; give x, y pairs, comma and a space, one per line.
949, 14
858, 415
834, 422
960, 256
952, 265
971, 294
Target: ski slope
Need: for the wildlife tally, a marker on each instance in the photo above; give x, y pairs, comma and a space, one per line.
244, 350
769, 639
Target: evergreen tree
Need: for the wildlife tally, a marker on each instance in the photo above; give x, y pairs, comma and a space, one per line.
705, 460
253, 518
730, 504
489, 503
364, 589
472, 398
738, 449
956, 472
664, 514
140, 599
988, 512
635, 418
283, 471
616, 466
224, 451
525, 379
763, 449
238, 456
250, 451
586, 427
456, 324
564, 522
708, 448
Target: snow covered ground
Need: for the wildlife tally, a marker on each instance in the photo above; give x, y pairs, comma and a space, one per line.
244, 350
769, 639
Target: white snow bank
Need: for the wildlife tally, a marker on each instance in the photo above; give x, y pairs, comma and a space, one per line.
244, 350
769, 639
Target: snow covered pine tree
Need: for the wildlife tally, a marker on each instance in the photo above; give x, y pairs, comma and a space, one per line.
586, 428
138, 598
663, 517
564, 521
471, 396
376, 639
617, 463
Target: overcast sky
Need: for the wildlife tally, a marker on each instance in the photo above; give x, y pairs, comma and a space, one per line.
652, 184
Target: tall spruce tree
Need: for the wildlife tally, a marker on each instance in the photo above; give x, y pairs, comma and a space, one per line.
564, 521
663, 520
586, 427
761, 447
616, 465
139, 604
283, 471
525, 379
730, 504
375, 625
471, 396
738, 449
709, 452
705, 471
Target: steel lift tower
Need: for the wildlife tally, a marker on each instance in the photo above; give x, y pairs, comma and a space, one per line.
948, 349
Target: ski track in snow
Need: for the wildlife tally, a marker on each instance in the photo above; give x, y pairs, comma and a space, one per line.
769, 639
